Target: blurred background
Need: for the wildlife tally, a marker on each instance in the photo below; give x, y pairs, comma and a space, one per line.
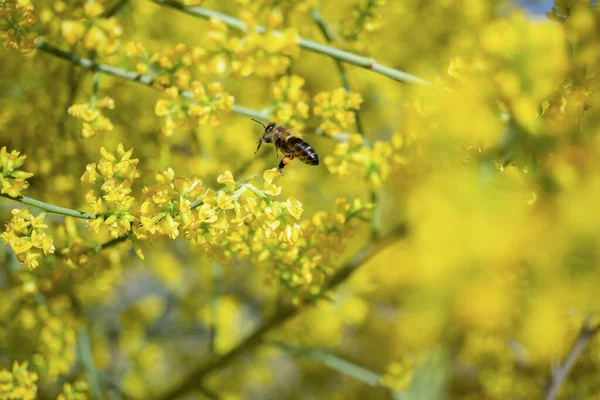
447, 247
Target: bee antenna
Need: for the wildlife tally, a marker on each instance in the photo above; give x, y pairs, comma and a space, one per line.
255, 120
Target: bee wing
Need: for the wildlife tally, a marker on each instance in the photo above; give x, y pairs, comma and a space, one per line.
314, 130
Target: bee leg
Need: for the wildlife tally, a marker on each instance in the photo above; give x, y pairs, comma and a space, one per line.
277, 144
260, 142
284, 161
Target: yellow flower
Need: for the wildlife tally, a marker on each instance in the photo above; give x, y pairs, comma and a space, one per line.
91, 118
224, 201
294, 207
18, 382
226, 178
12, 180
25, 235
336, 110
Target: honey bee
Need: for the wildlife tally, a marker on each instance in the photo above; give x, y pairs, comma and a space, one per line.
291, 146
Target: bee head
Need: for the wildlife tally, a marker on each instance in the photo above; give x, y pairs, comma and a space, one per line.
269, 130
268, 133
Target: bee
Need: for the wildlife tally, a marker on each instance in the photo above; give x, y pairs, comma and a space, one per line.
291, 146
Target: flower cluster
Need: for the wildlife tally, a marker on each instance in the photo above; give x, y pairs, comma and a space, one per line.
172, 66
336, 110
303, 269
222, 222
376, 161
509, 81
80, 390
109, 197
273, 13
264, 54
56, 338
84, 22
18, 383
12, 180
399, 374
26, 236
17, 19
91, 118
365, 19
203, 109
167, 206
290, 106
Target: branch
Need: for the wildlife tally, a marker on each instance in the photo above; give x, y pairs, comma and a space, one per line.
194, 379
145, 80
342, 55
559, 375
50, 208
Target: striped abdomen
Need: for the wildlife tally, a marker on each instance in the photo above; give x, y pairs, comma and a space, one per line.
298, 148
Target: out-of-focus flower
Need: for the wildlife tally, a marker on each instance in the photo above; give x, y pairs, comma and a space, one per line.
17, 20
205, 107
12, 180
336, 110
91, 117
18, 383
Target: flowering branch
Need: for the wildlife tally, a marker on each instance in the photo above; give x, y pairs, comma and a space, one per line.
145, 80
195, 379
315, 47
559, 375
340, 66
376, 220
50, 208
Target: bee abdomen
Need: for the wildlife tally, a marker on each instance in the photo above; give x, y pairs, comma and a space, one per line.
303, 151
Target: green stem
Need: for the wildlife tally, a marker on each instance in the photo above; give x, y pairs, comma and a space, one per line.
50, 208
217, 278
145, 80
85, 355
376, 219
342, 55
94, 98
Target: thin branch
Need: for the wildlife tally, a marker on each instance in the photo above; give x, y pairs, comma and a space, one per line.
145, 80
334, 362
114, 10
342, 55
194, 379
217, 278
50, 208
559, 375
84, 348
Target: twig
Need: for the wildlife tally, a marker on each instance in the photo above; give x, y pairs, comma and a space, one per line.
559, 375
115, 9
85, 356
217, 277
145, 80
342, 55
194, 379
50, 208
